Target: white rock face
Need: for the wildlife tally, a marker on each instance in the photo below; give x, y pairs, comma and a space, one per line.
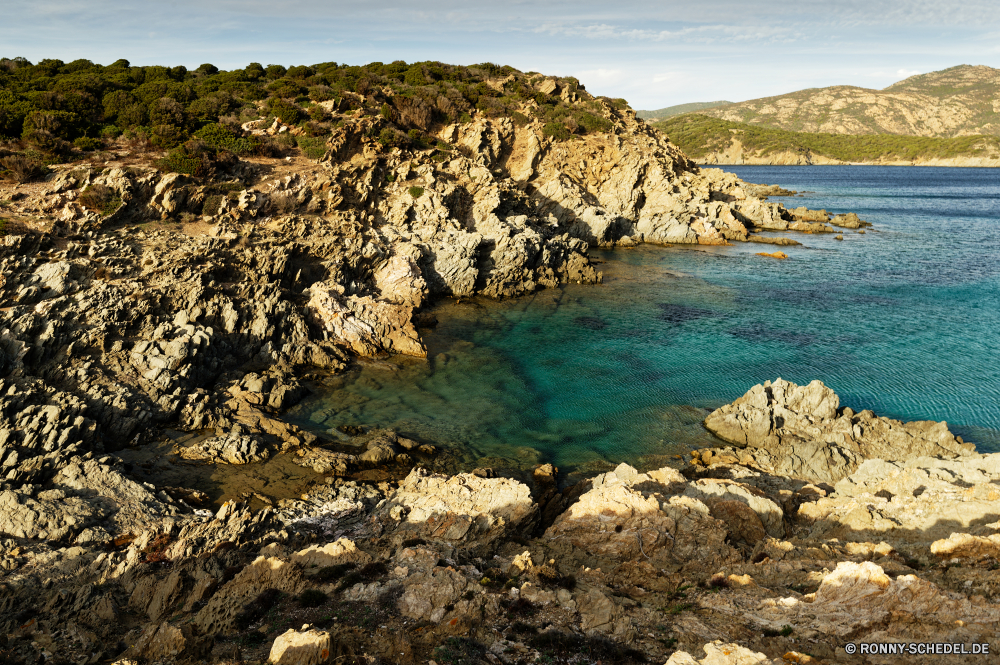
630, 515
310, 647
367, 326
719, 653
859, 598
801, 431
464, 510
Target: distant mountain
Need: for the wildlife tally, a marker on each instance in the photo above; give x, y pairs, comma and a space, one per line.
680, 109
960, 101
713, 141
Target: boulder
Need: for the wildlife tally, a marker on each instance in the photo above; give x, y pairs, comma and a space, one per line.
365, 325
720, 653
629, 516
858, 600
308, 647
331, 554
165, 641
967, 546
801, 431
463, 511
910, 504
430, 596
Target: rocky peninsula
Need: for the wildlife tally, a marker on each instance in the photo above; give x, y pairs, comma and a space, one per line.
198, 307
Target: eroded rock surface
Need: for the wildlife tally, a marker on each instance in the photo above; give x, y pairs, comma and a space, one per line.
801, 431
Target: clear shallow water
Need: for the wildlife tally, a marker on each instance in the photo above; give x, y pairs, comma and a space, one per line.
902, 320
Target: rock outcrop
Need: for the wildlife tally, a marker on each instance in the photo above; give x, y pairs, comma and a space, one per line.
801, 431
442, 565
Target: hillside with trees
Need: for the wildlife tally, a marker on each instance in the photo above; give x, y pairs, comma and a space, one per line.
959, 101
55, 112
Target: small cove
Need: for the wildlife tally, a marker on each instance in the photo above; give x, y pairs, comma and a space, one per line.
902, 320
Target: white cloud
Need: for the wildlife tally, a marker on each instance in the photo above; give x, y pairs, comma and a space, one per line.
601, 75
701, 34
907, 73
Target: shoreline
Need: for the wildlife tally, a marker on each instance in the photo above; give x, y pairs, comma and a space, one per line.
118, 327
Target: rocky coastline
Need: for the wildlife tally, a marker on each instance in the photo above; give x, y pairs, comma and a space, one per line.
120, 327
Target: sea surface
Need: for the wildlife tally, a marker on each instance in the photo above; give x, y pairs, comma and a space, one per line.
902, 319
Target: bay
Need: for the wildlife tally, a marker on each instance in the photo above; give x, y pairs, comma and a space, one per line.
903, 319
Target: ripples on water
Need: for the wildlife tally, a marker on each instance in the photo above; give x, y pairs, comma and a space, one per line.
902, 320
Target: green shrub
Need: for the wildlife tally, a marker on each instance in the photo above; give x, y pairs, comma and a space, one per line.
223, 137
21, 168
591, 123
100, 199
321, 93
389, 137
313, 148
415, 76
556, 131
520, 119
275, 71
318, 113
288, 113
111, 131
211, 204
167, 136
88, 144
416, 192
194, 158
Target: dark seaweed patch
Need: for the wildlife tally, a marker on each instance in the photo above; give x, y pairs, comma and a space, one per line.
675, 314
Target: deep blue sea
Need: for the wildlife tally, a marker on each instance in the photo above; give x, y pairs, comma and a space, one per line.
902, 320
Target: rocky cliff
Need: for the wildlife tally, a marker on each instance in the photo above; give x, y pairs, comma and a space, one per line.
121, 321
201, 307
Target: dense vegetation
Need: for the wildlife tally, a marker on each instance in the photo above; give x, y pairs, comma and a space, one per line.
53, 111
699, 135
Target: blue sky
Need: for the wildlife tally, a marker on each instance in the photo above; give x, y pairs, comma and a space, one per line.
654, 54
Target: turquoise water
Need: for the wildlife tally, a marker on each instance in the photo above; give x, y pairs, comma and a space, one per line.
902, 319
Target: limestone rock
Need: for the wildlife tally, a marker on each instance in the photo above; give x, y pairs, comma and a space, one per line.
464, 511
293, 647
966, 546
800, 431
719, 653
861, 601
165, 641
768, 512
365, 325
400, 281
234, 447
597, 612
428, 596
629, 516
264, 573
331, 554
909, 504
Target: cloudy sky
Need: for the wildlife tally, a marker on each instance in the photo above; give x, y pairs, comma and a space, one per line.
652, 53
